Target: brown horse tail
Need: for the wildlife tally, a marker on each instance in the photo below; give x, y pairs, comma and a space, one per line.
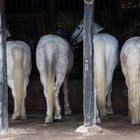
50, 77
133, 60
100, 74
18, 54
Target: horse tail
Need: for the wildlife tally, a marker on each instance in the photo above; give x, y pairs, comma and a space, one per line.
18, 70
99, 74
50, 77
133, 59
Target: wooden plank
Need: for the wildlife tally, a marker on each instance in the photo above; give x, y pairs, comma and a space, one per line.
89, 97
3, 73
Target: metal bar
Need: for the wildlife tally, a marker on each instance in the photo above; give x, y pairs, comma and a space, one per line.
42, 5
3, 74
22, 6
37, 5
63, 7
103, 4
16, 6
74, 5
110, 4
80, 7
32, 5
88, 88
137, 4
11, 5
52, 10
69, 5
26, 5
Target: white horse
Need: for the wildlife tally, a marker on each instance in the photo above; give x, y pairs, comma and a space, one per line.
54, 59
105, 61
18, 69
130, 63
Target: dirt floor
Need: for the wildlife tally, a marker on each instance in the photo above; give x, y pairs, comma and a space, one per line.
114, 128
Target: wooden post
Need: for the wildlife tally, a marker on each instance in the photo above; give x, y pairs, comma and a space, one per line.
89, 98
3, 73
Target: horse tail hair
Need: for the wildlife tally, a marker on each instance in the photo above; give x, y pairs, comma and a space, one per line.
133, 59
18, 58
99, 74
50, 77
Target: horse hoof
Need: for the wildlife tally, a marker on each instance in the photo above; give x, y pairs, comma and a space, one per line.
23, 117
58, 120
48, 120
68, 112
134, 122
98, 121
16, 117
110, 111
58, 117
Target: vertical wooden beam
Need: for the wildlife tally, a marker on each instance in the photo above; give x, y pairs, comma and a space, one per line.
3, 73
88, 88
89, 103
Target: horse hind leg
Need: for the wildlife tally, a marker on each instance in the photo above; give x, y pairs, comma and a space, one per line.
16, 113
109, 103
112, 61
57, 115
66, 99
98, 120
23, 110
59, 81
17, 89
49, 114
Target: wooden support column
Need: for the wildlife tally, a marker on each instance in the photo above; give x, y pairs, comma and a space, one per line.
89, 97
3, 73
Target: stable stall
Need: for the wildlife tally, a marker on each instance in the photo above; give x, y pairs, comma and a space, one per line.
28, 20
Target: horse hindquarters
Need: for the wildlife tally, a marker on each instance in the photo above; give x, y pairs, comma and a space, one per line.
133, 66
100, 75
